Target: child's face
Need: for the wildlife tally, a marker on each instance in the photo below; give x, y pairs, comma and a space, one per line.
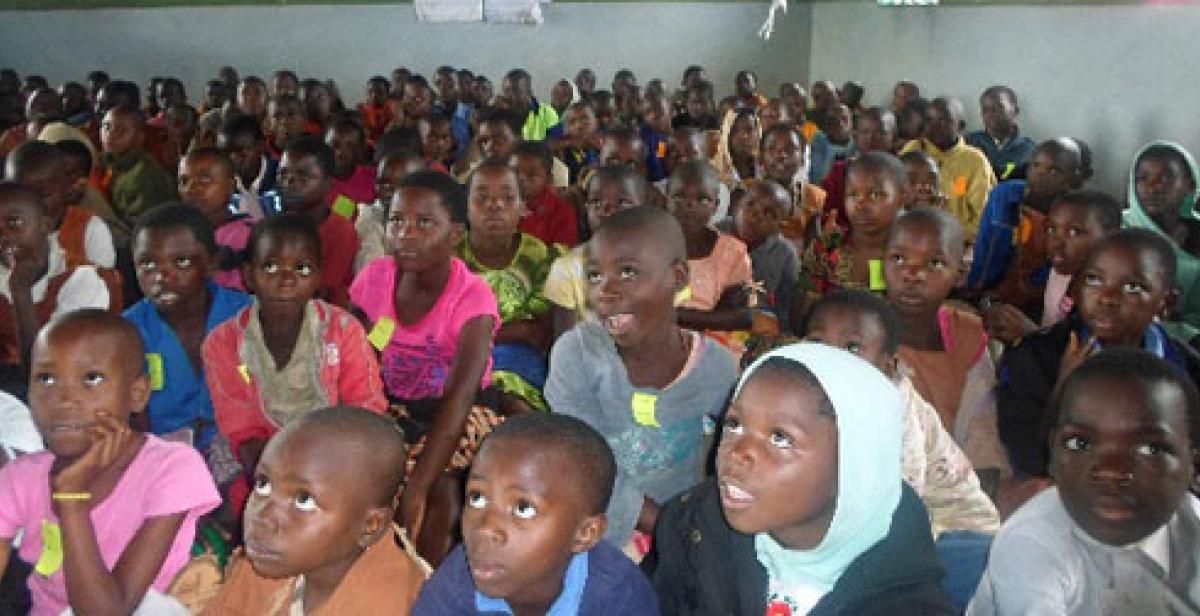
308, 513
246, 153
376, 93
319, 103
214, 96
419, 232
1121, 457
682, 148
532, 175
742, 137
180, 124
52, 183
693, 203
495, 204
24, 228
560, 95
284, 84
1161, 185
606, 114
1070, 234
607, 197
204, 185
853, 331
303, 184
484, 91
920, 268
172, 267
658, 114
120, 132
758, 215
782, 157
348, 148
284, 270
872, 201
286, 121
698, 105
252, 98
941, 126
775, 435
1123, 290
523, 522
998, 113
466, 87
924, 182
418, 101
872, 136
580, 122
632, 284
390, 172
775, 113
439, 142
838, 123
585, 80
623, 151
496, 140
1051, 174
78, 372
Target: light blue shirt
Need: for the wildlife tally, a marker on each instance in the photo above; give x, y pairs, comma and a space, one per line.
568, 601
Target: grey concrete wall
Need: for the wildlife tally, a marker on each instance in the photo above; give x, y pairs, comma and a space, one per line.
350, 43
1117, 76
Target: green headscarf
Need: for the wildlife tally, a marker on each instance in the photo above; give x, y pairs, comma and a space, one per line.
1187, 265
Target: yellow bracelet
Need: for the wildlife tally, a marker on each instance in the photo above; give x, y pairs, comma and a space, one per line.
71, 496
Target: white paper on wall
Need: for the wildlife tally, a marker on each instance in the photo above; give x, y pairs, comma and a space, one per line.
449, 10
513, 11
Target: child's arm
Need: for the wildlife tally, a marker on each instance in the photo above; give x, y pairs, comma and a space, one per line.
359, 380
235, 398
91, 587
534, 332
732, 313
470, 361
561, 319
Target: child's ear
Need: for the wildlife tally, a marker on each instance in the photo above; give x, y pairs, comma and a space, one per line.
457, 231
378, 519
589, 532
682, 275
139, 393
1170, 303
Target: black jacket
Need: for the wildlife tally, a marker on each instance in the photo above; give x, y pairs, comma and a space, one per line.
702, 566
1025, 382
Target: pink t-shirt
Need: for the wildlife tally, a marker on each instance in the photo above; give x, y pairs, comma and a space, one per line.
359, 187
418, 357
233, 236
163, 479
727, 265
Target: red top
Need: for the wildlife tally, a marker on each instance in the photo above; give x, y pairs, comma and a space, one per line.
551, 219
339, 245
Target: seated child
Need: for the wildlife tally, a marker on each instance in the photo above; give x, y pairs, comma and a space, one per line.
548, 217
83, 236
925, 180
533, 526
943, 349
579, 147
515, 266
498, 134
874, 131
438, 144
1009, 263
783, 157
610, 189
433, 322
353, 180
1077, 220
1127, 280
173, 253
687, 144
78, 167
808, 512
121, 505
1009, 151
876, 186
720, 277
319, 533
1119, 534
737, 152
134, 181
306, 185
37, 282
966, 174
374, 110
207, 183
242, 140
773, 259
655, 132
1163, 180
285, 122
392, 167
834, 142
633, 374
287, 353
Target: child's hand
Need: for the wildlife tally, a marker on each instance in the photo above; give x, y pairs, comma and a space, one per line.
1076, 354
25, 271
110, 438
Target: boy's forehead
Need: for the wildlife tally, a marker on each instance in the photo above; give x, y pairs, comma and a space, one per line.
19, 206
931, 231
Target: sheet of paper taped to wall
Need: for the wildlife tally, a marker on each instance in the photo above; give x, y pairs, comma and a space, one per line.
527, 12
769, 25
449, 10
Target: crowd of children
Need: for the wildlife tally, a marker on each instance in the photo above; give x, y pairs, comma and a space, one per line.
458, 350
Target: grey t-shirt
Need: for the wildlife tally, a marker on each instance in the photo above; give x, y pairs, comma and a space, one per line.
656, 434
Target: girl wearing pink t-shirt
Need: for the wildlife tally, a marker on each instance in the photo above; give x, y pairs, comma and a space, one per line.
433, 322
107, 514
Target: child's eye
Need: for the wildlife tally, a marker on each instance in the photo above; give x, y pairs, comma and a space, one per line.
1152, 449
853, 347
594, 278
305, 270
183, 262
262, 486
476, 499
780, 440
425, 223
93, 379
1074, 232
306, 502
44, 378
897, 259
875, 195
937, 264
147, 266
628, 273
732, 425
1076, 443
525, 510
271, 267
1133, 288
1091, 280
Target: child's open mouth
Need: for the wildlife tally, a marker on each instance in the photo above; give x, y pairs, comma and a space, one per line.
618, 324
70, 426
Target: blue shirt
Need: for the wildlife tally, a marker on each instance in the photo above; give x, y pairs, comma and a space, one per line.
1009, 160
823, 153
656, 160
180, 395
567, 603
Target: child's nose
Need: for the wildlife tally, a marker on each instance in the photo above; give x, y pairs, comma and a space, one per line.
1113, 467
490, 529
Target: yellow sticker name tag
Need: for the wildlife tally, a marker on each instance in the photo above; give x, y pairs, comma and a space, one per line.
381, 334
344, 206
51, 559
245, 372
154, 365
878, 283
645, 407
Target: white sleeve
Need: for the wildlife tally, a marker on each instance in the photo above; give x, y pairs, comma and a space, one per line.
1026, 576
84, 289
98, 243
